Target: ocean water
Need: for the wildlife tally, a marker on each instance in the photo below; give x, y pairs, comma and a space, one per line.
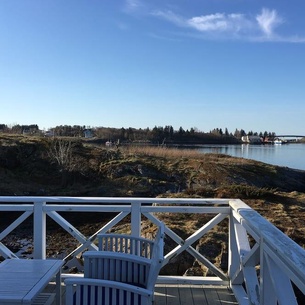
290, 155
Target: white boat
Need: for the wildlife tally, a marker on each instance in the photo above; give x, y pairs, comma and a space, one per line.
278, 141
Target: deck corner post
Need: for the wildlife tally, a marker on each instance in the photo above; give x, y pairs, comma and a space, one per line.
39, 230
230, 246
233, 257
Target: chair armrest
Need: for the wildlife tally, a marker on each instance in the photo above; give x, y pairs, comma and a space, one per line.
81, 291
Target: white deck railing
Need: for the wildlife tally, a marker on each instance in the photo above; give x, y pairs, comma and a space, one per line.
264, 265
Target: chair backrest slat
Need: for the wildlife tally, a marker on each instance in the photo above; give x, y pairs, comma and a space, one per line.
117, 267
126, 244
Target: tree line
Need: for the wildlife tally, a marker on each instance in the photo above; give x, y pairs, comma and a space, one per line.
156, 135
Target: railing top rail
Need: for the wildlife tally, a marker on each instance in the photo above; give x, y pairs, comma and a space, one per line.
112, 200
285, 248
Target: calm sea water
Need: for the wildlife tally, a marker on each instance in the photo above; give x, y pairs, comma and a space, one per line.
290, 155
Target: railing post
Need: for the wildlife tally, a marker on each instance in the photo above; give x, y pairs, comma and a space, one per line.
232, 247
233, 257
136, 218
39, 230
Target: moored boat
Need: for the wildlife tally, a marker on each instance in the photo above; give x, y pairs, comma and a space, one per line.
279, 141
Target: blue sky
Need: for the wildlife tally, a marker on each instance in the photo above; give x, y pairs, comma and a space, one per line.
192, 63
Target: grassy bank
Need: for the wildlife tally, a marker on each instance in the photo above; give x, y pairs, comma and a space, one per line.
72, 167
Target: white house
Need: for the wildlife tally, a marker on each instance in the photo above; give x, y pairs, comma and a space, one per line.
251, 139
88, 133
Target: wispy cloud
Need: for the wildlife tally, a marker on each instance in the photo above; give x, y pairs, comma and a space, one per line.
268, 20
171, 17
220, 23
233, 26
132, 5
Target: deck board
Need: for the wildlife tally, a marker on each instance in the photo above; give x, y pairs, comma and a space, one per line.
172, 295
212, 296
226, 296
185, 295
160, 295
182, 295
198, 294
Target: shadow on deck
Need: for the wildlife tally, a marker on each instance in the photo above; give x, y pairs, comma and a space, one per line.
182, 295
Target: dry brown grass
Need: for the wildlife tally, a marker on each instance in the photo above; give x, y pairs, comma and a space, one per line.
158, 151
190, 154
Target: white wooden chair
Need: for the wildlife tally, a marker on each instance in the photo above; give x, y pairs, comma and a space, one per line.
136, 266
85, 291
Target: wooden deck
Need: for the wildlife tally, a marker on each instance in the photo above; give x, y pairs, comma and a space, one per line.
183, 295
193, 295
